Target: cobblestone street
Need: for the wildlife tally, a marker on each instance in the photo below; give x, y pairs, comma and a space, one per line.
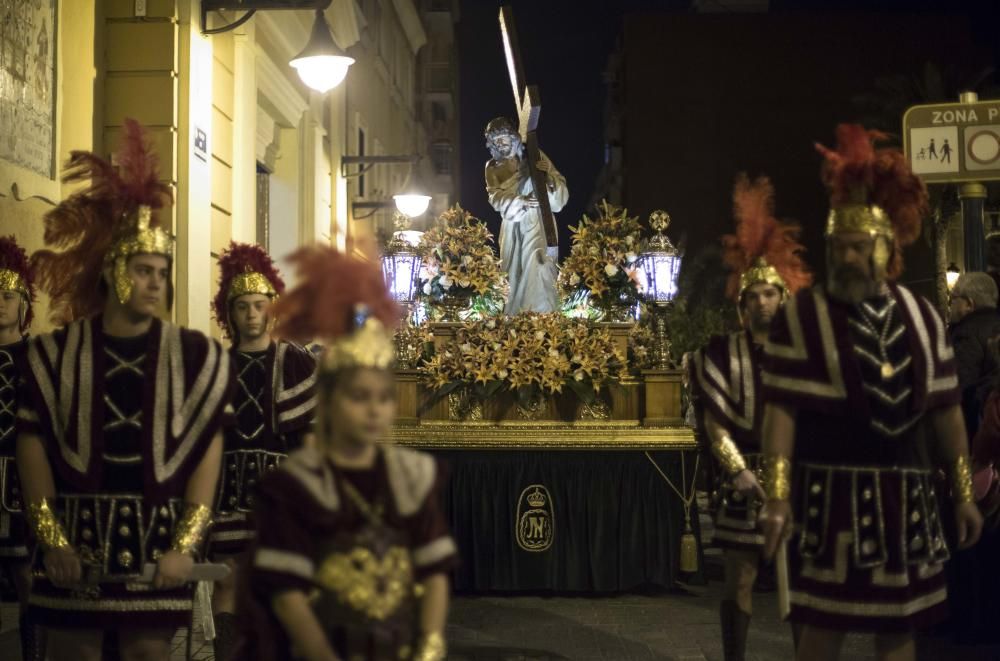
665, 627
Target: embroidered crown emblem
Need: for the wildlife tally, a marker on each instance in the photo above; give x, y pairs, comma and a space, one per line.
536, 498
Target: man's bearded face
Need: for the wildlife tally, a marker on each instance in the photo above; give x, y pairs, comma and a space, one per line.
504, 145
850, 271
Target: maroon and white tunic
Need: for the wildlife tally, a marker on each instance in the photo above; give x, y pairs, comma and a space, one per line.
125, 422
869, 548
273, 406
725, 380
361, 564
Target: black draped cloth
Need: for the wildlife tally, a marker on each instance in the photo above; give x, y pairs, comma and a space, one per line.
616, 525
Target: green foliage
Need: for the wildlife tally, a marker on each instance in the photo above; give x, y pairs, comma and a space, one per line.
690, 327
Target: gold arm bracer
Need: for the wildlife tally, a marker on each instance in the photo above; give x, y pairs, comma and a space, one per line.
961, 481
431, 647
777, 477
191, 528
48, 530
729, 455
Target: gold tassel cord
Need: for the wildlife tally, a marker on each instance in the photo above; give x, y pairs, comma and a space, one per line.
689, 552
689, 544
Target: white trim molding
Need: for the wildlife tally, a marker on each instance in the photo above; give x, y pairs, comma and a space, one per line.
409, 18
279, 92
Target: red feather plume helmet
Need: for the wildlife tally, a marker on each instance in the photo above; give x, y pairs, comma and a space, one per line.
342, 301
102, 225
762, 249
873, 190
244, 269
17, 275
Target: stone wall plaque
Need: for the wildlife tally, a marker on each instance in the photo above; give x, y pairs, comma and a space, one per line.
28, 84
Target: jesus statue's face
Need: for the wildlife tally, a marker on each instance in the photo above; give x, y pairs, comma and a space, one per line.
504, 145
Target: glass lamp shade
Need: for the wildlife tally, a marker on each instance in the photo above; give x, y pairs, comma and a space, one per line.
322, 72
661, 269
401, 270
951, 275
321, 65
412, 204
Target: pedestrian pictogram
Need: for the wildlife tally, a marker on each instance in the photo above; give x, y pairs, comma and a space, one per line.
934, 151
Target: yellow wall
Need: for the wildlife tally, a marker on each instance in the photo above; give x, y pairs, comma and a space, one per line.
160, 70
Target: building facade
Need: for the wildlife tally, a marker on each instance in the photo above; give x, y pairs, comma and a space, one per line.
251, 152
726, 97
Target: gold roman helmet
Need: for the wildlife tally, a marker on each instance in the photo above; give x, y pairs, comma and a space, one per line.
113, 216
762, 272
17, 275
357, 316
250, 283
11, 281
869, 219
146, 240
874, 192
761, 249
244, 269
371, 345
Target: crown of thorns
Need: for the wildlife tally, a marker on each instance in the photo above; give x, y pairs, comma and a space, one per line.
500, 125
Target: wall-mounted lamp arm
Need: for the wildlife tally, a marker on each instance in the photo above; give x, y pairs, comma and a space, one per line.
370, 161
251, 7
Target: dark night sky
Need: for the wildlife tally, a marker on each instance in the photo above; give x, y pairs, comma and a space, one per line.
566, 44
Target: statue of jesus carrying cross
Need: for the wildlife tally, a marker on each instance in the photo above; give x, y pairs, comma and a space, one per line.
515, 173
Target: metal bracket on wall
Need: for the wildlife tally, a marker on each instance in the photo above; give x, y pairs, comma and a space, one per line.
375, 207
367, 162
251, 7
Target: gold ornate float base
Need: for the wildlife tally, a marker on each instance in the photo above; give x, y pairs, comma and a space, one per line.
641, 411
541, 435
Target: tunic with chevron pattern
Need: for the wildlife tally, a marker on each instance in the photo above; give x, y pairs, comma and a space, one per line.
125, 422
13, 527
869, 548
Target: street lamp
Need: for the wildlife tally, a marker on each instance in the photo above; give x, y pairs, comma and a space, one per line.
412, 201
951, 275
401, 264
321, 65
661, 262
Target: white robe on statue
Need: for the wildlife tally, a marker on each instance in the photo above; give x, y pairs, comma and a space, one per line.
531, 266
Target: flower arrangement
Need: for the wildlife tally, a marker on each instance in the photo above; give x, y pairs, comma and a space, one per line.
576, 305
527, 353
603, 259
458, 259
641, 340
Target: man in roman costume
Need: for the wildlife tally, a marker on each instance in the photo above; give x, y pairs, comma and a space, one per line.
765, 269
861, 409
274, 404
119, 443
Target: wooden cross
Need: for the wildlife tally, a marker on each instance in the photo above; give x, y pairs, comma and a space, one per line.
529, 107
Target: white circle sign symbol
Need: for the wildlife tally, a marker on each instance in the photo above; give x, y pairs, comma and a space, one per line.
984, 147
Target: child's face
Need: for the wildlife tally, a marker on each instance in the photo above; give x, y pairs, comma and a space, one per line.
363, 406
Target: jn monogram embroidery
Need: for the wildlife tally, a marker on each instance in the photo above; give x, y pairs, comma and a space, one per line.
535, 523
